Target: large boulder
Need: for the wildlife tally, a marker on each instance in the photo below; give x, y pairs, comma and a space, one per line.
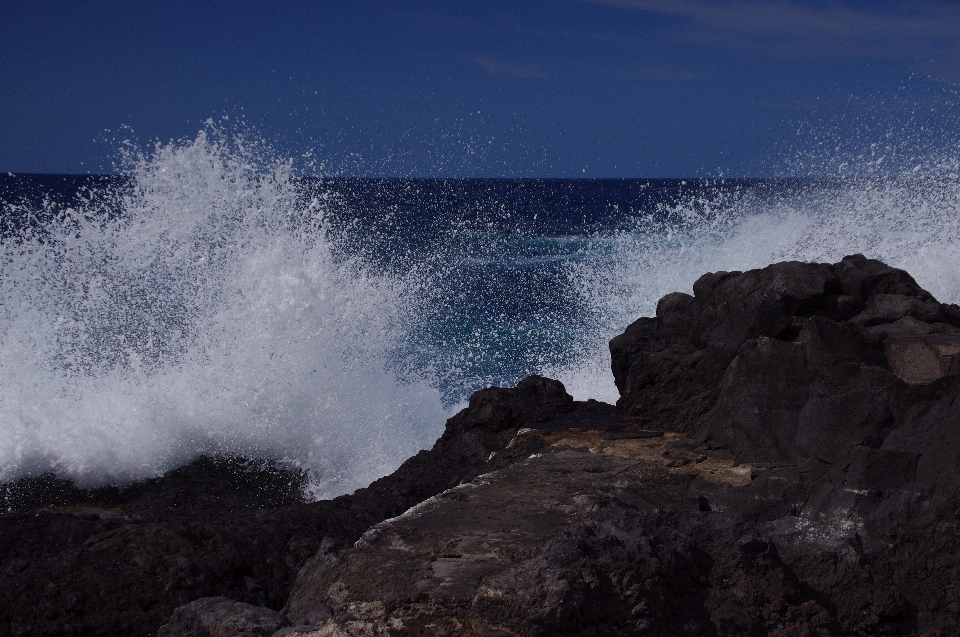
668, 368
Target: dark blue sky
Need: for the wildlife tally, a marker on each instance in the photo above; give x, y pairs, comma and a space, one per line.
605, 88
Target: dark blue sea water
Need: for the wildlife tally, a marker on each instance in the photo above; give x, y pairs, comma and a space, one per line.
212, 301
499, 254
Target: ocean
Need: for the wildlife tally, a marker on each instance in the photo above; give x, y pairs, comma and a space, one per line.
211, 299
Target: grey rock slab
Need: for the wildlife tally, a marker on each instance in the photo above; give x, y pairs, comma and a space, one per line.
583, 536
443, 547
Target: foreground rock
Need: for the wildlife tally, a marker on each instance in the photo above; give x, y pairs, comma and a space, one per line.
589, 536
118, 562
784, 461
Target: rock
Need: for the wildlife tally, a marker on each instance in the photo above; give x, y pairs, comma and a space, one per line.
471, 443
862, 278
786, 465
668, 368
795, 401
566, 542
922, 358
346, 628
221, 617
119, 561
840, 391
496, 409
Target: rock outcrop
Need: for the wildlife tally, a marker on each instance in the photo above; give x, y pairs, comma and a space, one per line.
783, 461
118, 561
589, 536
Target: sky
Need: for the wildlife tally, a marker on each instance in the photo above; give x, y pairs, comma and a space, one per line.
537, 88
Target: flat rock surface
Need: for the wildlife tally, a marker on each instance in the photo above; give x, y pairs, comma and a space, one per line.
580, 538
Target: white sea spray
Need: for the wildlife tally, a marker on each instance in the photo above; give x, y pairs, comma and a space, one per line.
908, 221
212, 316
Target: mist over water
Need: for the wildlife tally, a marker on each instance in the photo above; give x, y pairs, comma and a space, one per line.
211, 316
910, 222
884, 183
213, 301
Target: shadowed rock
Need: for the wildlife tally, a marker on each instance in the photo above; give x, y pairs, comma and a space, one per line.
668, 368
221, 617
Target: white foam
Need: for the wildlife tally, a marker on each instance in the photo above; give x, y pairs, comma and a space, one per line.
910, 223
211, 317
217, 314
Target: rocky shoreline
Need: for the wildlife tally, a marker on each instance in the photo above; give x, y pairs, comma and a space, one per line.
783, 460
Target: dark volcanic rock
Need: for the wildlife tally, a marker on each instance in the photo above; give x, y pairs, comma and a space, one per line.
840, 383
789, 466
567, 542
668, 368
221, 617
783, 461
118, 561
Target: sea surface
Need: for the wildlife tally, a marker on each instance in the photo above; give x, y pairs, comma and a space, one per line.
211, 300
